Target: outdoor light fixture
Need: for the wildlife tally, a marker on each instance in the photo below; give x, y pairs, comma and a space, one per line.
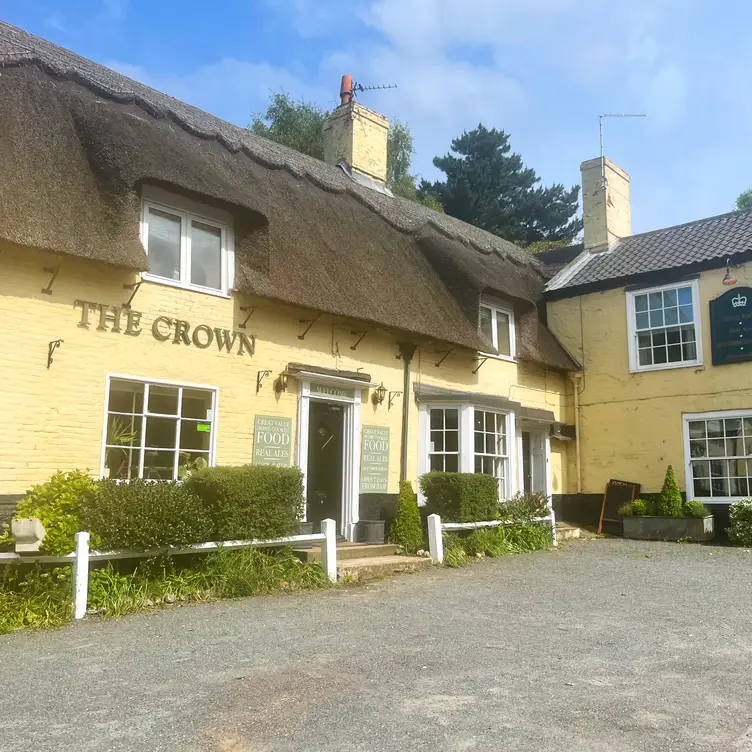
280, 385
728, 278
379, 394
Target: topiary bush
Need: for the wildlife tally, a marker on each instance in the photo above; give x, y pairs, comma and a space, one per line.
407, 529
523, 507
142, 515
56, 503
740, 518
461, 497
636, 508
250, 501
695, 509
670, 503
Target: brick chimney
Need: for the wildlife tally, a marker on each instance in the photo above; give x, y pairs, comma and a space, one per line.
356, 135
606, 213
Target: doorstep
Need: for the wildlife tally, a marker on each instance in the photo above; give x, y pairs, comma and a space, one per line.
565, 531
347, 550
370, 567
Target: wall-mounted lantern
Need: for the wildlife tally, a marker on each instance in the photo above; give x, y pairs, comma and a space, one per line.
379, 394
728, 279
280, 385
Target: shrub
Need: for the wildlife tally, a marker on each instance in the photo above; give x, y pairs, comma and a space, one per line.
250, 501
670, 502
636, 508
455, 554
740, 517
523, 507
695, 509
461, 497
56, 503
142, 515
407, 529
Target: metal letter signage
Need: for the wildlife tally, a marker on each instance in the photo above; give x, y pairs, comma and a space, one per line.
374, 460
322, 390
272, 441
731, 327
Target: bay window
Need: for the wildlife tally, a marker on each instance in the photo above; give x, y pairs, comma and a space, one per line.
156, 431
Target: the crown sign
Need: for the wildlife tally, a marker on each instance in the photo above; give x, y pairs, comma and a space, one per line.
739, 301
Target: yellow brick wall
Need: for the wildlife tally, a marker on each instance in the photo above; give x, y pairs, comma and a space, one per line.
53, 419
631, 424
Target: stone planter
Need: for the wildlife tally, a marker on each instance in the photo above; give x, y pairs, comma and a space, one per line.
305, 528
669, 528
28, 533
371, 531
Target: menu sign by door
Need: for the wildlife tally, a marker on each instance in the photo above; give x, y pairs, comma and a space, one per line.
272, 441
374, 463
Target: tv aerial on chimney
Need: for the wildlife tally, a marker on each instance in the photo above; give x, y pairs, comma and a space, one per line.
600, 132
350, 89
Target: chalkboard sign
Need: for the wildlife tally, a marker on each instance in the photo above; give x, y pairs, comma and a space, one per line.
731, 326
618, 492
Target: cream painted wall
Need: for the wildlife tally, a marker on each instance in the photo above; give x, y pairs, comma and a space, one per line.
631, 424
53, 419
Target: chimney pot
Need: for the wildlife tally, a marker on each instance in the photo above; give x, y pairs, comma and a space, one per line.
346, 89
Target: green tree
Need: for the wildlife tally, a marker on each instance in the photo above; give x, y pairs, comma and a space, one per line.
670, 502
488, 186
407, 530
300, 125
744, 202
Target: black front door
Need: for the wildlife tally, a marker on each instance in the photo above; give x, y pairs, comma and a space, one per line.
324, 472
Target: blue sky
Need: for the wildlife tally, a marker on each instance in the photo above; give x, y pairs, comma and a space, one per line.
540, 69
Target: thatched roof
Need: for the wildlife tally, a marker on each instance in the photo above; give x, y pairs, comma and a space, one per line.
78, 140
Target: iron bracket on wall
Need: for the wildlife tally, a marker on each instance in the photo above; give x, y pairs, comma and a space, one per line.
392, 397
260, 376
310, 323
250, 310
480, 362
51, 347
444, 355
54, 271
135, 287
360, 339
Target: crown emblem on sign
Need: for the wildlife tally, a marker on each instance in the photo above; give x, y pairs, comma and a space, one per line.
739, 301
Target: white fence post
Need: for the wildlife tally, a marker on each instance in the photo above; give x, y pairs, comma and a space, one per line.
435, 539
329, 548
81, 575
553, 526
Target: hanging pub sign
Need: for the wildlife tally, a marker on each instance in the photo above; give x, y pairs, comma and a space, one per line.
731, 327
272, 441
374, 460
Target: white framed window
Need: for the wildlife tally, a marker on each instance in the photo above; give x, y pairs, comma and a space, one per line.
664, 327
718, 455
153, 428
468, 439
497, 324
189, 245
491, 455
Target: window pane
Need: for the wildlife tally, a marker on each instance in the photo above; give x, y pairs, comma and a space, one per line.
733, 426
196, 404
739, 487
737, 468
697, 429
160, 433
193, 435
659, 338
451, 463
163, 400
126, 397
715, 428
698, 448
450, 416
485, 323
437, 441
718, 469
701, 469
669, 298
690, 351
747, 446
159, 465
675, 354
672, 316
491, 422
641, 303
735, 448
717, 448
451, 441
478, 464
719, 486
502, 333
206, 255
656, 301
186, 458
685, 295
479, 420
643, 320
702, 487
685, 314
437, 462
673, 336
656, 318
479, 442
688, 334
121, 464
660, 355
490, 443
644, 340
437, 418
123, 430
646, 357
163, 244
747, 423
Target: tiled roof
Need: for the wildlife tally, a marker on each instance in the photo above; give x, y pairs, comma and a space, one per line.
715, 238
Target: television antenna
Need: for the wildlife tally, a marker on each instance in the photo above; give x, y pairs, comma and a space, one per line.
600, 132
358, 87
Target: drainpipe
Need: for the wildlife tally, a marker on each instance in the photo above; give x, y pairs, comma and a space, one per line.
407, 350
576, 384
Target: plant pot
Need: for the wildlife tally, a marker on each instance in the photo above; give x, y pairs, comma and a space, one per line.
28, 533
371, 531
670, 528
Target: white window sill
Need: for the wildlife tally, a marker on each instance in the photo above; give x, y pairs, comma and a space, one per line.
191, 288
496, 356
717, 500
666, 367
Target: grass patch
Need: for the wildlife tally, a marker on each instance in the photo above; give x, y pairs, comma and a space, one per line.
495, 542
33, 598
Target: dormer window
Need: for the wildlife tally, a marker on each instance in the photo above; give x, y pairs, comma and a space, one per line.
497, 324
189, 245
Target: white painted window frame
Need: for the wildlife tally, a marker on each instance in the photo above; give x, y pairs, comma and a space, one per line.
495, 307
466, 440
634, 362
190, 211
547, 458
689, 484
142, 441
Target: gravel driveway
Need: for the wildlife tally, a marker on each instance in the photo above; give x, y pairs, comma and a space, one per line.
602, 645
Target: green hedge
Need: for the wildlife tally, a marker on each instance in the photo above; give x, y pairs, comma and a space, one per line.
250, 501
461, 497
407, 529
142, 515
